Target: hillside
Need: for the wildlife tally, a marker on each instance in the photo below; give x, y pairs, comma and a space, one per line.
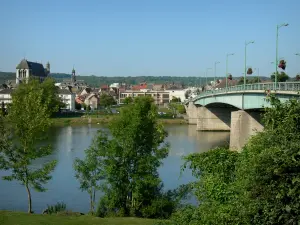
95, 81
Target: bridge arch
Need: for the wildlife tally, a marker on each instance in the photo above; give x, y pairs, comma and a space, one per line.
221, 105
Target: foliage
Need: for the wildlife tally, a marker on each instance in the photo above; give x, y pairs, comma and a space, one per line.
187, 94
249, 71
175, 100
58, 207
260, 185
131, 160
229, 77
298, 77
27, 124
282, 64
281, 77
128, 100
89, 171
106, 100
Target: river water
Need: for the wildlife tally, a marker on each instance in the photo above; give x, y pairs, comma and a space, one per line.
71, 141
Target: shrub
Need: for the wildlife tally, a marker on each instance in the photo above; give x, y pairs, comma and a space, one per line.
58, 207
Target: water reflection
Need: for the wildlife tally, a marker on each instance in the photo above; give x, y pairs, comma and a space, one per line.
71, 141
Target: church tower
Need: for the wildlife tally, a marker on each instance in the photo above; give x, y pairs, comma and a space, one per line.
47, 68
73, 78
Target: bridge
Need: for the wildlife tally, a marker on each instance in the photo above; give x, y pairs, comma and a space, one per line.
236, 109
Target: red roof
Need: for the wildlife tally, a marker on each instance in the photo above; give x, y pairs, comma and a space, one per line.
139, 87
105, 86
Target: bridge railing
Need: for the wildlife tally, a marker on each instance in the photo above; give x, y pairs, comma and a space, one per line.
280, 86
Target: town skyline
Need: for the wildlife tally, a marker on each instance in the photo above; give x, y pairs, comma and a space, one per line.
150, 39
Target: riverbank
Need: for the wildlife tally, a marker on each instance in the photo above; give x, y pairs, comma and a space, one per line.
19, 218
103, 120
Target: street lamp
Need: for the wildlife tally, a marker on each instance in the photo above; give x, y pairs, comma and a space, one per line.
227, 68
215, 71
206, 75
276, 62
246, 43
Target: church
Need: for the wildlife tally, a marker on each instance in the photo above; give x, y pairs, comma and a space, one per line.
26, 69
72, 84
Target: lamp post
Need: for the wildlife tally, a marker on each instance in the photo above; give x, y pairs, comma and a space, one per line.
276, 61
227, 68
246, 43
215, 71
206, 75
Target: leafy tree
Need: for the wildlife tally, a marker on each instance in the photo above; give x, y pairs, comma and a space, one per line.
106, 100
187, 94
132, 183
281, 77
174, 99
89, 171
298, 77
3, 109
128, 100
27, 124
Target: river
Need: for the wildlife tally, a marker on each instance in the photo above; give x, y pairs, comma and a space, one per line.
70, 142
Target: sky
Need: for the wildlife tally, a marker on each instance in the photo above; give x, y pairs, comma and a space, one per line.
149, 38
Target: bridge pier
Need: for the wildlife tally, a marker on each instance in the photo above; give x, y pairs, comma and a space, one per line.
214, 118
192, 112
244, 124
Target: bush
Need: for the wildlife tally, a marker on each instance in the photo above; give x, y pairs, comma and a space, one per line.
58, 207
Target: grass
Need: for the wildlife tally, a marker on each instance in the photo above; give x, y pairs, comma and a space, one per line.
19, 218
103, 120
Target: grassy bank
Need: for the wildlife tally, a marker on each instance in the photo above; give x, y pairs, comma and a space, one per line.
18, 218
103, 120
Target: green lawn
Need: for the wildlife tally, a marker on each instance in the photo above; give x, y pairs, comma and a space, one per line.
18, 218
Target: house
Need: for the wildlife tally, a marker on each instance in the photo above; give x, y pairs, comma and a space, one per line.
68, 98
26, 69
104, 88
5, 96
85, 91
92, 100
222, 83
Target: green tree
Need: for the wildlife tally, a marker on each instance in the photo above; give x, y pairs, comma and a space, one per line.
128, 100
174, 99
27, 124
298, 77
130, 164
106, 100
89, 171
281, 77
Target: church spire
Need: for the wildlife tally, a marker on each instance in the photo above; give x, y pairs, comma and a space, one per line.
73, 79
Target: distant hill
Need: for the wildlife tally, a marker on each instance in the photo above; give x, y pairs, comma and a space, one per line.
95, 81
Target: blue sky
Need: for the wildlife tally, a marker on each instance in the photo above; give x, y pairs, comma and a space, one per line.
153, 37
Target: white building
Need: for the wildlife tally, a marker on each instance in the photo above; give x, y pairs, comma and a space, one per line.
5, 97
68, 98
177, 94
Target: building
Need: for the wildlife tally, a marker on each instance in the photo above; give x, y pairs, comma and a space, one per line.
5, 97
177, 94
72, 83
160, 97
68, 98
92, 100
26, 69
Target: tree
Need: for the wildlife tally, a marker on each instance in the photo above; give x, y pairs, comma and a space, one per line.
281, 77
3, 112
298, 77
89, 171
128, 100
106, 100
174, 99
187, 94
131, 161
27, 124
